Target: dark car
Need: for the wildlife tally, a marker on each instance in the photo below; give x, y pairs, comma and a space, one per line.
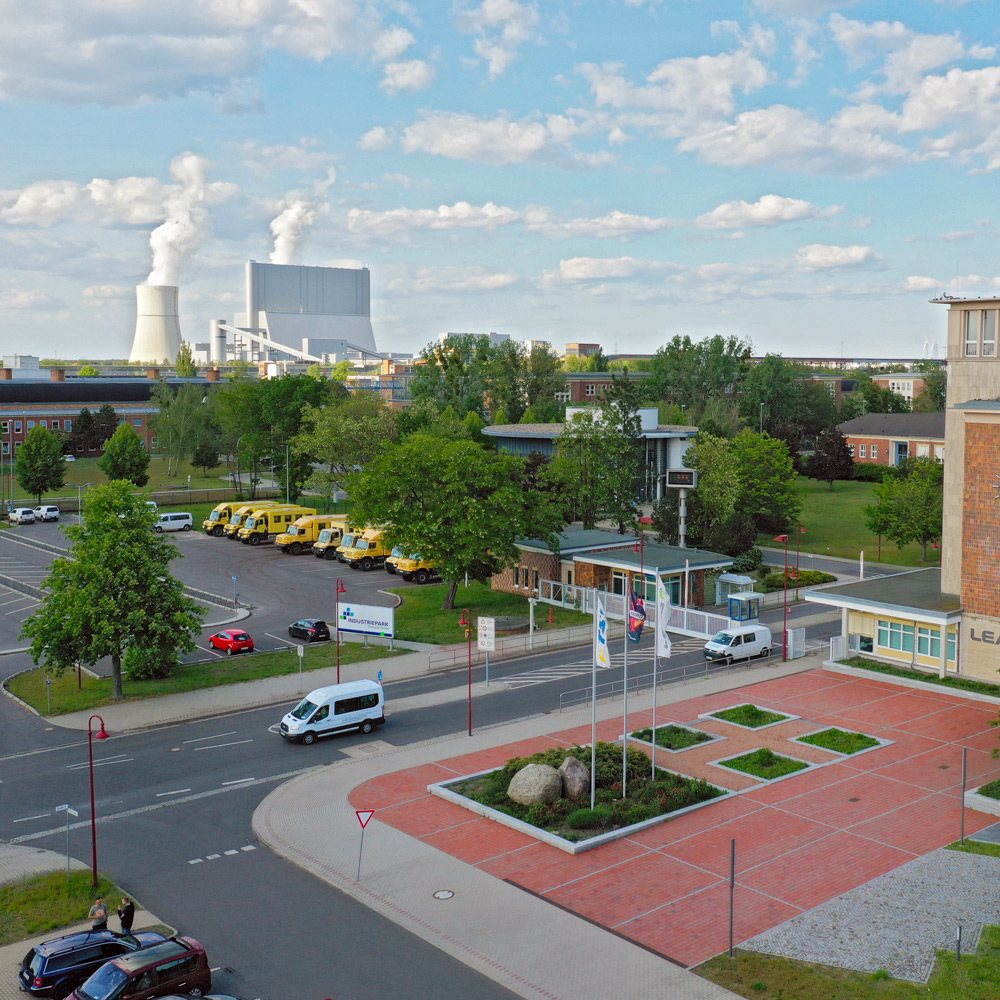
200, 996
310, 629
55, 968
177, 965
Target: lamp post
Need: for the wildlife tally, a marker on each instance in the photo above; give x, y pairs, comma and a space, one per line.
801, 531
466, 622
784, 627
79, 498
341, 589
101, 734
761, 418
642, 577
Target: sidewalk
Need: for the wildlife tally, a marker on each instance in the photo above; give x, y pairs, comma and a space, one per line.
528, 945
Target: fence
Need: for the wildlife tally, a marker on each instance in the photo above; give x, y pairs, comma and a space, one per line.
179, 496
700, 624
567, 595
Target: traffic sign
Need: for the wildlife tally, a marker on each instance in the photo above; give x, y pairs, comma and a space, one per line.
363, 816
487, 634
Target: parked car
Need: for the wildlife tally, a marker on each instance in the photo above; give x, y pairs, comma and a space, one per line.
55, 968
201, 996
231, 641
69, 458
21, 515
177, 964
47, 512
310, 629
174, 522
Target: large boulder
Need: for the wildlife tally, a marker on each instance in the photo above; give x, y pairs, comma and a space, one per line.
535, 783
575, 776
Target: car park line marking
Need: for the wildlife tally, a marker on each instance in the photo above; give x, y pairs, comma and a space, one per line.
18, 611
217, 736
28, 819
216, 746
179, 791
238, 781
286, 641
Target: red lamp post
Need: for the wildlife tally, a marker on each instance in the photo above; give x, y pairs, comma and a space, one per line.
784, 627
341, 589
466, 622
101, 734
801, 531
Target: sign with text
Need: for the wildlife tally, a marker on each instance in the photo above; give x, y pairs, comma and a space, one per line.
367, 619
487, 634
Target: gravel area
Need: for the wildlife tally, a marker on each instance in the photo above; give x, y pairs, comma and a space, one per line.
898, 921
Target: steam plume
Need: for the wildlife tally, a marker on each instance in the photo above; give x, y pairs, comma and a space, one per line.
186, 223
297, 212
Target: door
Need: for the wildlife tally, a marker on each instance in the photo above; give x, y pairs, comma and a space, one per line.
321, 720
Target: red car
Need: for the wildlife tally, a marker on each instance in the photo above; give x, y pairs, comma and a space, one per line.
232, 642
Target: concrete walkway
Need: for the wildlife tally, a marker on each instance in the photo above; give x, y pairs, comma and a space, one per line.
530, 946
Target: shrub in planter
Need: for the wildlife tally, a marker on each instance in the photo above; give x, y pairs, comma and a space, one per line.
584, 819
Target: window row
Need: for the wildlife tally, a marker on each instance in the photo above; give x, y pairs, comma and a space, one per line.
896, 635
523, 578
979, 333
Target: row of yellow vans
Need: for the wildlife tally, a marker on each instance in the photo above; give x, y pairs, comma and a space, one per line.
295, 529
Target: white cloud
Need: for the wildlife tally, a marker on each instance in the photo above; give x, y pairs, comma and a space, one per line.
265, 160
452, 279
918, 283
392, 43
412, 75
125, 202
461, 215
579, 269
98, 296
16, 298
501, 27
613, 225
375, 138
769, 210
819, 256
497, 140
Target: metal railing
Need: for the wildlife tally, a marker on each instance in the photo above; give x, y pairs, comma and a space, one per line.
174, 497
694, 622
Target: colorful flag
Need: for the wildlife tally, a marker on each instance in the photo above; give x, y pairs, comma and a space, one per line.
662, 620
636, 615
602, 657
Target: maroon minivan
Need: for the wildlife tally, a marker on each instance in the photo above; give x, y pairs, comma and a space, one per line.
178, 965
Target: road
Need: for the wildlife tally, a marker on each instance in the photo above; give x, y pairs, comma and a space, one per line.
175, 802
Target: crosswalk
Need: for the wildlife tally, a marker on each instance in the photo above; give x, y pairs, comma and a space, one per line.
578, 668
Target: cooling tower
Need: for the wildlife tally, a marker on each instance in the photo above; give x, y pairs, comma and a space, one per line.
157, 330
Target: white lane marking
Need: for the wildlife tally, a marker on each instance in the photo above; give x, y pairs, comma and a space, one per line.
216, 746
201, 739
19, 610
179, 791
28, 819
196, 861
249, 847
212, 857
118, 759
281, 638
238, 781
230, 852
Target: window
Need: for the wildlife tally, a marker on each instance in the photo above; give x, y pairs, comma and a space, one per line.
6, 447
850, 448
42, 423
929, 642
68, 425
322, 714
358, 704
31, 423
862, 452
874, 452
590, 389
137, 421
970, 319
17, 426
989, 333
79, 447
55, 425
535, 584
895, 635
6, 426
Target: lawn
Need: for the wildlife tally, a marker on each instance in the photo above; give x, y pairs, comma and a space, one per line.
749, 715
45, 903
764, 763
95, 692
840, 741
420, 618
835, 526
672, 737
768, 977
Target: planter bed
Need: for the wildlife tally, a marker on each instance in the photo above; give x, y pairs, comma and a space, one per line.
846, 742
569, 824
984, 799
748, 716
764, 764
674, 738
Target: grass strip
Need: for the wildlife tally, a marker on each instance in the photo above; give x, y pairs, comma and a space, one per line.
962, 683
764, 763
749, 715
840, 741
95, 692
672, 737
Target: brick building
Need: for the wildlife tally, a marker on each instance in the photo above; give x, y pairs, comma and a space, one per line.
903, 618
891, 438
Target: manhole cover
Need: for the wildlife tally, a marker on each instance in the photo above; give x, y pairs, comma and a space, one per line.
855, 799
443, 894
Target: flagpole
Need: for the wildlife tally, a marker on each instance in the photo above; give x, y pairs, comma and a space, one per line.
628, 612
593, 707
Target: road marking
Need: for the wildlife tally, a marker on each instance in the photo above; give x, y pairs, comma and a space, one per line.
28, 819
179, 791
284, 639
196, 861
237, 781
217, 736
117, 759
216, 746
19, 610
212, 857
248, 847
230, 852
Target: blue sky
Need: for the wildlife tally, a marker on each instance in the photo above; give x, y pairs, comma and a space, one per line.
799, 173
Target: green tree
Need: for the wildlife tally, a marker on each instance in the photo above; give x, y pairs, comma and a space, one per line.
85, 430
112, 591
184, 365
105, 423
88, 371
40, 465
205, 456
909, 507
766, 474
185, 418
931, 397
456, 504
125, 457
575, 470
690, 373
868, 397
832, 458
622, 480
454, 373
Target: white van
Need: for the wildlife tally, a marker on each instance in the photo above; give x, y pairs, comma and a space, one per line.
740, 642
174, 522
354, 705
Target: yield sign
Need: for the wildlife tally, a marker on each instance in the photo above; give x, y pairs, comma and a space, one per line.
363, 816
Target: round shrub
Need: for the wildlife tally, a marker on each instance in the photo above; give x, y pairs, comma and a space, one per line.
585, 819
142, 663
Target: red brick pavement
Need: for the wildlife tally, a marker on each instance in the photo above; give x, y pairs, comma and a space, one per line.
799, 841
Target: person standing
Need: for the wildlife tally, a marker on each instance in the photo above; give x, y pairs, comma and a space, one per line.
126, 914
99, 914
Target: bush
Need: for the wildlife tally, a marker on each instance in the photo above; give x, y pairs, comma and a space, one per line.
749, 561
804, 578
142, 663
584, 819
869, 472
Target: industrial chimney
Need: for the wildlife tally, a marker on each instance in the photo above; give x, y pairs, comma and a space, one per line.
157, 329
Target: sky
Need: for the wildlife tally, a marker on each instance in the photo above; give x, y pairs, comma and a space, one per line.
802, 174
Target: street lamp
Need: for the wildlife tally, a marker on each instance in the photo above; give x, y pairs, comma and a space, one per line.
79, 498
341, 589
101, 734
784, 630
801, 531
466, 623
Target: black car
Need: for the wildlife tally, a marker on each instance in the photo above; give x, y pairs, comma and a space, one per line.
310, 629
55, 968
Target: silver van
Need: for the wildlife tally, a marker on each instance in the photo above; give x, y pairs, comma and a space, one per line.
354, 705
174, 522
741, 642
